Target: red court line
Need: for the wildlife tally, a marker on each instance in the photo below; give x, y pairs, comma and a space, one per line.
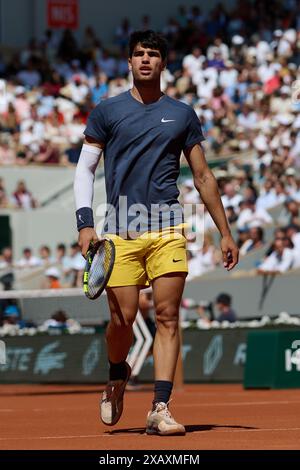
215, 416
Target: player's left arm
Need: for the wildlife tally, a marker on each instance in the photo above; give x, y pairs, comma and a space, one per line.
206, 185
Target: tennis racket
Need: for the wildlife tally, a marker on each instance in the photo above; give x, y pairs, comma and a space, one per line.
99, 264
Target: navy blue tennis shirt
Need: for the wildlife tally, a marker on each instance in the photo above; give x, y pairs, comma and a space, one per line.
142, 151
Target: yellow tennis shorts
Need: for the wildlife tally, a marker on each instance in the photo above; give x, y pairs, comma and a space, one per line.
138, 261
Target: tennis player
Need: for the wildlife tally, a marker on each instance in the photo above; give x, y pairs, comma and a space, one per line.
142, 133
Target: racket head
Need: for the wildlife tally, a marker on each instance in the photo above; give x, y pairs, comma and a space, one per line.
98, 267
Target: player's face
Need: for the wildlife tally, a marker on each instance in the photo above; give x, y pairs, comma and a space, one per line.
146, 64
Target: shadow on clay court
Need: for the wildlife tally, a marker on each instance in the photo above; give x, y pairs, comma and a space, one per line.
189, 428
95, 388
51, 392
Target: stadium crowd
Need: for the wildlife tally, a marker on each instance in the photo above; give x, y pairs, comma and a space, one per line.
239, 69
64, 268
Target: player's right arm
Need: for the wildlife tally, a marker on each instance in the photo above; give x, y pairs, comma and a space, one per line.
206, 185
84, 191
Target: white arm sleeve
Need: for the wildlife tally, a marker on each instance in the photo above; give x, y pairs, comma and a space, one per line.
85, 175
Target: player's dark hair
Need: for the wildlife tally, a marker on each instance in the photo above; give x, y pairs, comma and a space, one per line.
149, 39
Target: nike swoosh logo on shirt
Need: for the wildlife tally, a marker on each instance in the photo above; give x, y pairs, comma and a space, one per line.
176, 260
167, 120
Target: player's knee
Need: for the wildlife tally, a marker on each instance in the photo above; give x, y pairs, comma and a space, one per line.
124, 320
167, 316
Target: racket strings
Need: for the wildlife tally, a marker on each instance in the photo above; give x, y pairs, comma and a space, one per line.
99, 268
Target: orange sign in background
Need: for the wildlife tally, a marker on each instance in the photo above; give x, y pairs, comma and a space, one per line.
63, 14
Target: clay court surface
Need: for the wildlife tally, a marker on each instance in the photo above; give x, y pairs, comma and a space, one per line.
215, 416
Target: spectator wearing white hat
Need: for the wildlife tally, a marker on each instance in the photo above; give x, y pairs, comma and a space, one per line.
228, 76
237, 40
52, 279
277, 34
291, 182
21, 104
